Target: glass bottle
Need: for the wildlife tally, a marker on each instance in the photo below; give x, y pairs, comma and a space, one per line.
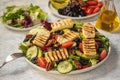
108, 19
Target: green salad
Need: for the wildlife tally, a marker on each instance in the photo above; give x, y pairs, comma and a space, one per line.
23, 16
65, 46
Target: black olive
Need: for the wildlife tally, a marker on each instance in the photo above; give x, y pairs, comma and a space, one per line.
57, 62
34, 60
82, 13
67, 9
70, 14
78, 40
55, 48
71, 5
60, 11
76, 48
83, 62
79, 9
72, 10
60, 32
75, 14
101, 45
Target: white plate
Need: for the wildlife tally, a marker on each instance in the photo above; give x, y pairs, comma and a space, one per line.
17, 3
14, 2
72, 72
55, 12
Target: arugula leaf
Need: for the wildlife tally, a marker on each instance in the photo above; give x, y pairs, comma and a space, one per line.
104, 40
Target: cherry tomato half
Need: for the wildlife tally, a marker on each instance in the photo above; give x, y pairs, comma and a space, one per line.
67, 44
42, 62
103, 54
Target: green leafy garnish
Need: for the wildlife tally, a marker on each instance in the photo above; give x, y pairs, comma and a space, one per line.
23, 16
104, 40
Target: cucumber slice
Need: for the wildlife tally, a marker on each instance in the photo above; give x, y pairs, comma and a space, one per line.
31, 52
64, 67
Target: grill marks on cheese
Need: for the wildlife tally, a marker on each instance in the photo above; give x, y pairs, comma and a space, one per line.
62, 24
56, 55
89, 47
68, 36
88, 31
41, 39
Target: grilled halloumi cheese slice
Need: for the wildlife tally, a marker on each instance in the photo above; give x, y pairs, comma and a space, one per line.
88, 31
40, 39
89, 48
68, 36
56, 55
62, 24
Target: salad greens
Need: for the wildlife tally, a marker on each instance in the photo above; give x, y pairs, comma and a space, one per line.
71, 52
23, 16
104, 40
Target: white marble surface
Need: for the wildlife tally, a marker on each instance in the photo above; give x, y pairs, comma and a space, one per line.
20, 70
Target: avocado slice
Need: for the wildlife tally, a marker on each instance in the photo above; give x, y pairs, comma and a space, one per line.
40, 54
93, 62
83, 56
59, 4
59, 1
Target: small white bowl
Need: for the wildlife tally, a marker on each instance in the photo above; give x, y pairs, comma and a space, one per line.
17, 3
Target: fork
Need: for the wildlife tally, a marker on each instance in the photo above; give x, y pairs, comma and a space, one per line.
12, 57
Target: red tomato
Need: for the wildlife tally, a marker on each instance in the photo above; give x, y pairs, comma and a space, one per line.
92, 3
42, 62
103, 54
84, 8
81, 47
100, 4
93, 7
28, 36
96, 10
89, 10
67, 44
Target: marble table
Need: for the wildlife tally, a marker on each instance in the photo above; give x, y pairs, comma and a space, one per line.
21, 70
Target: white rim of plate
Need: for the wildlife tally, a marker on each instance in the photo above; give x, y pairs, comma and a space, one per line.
72, 72
22, 29
55, 12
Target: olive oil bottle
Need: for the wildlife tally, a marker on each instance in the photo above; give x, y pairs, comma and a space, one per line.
108, 19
